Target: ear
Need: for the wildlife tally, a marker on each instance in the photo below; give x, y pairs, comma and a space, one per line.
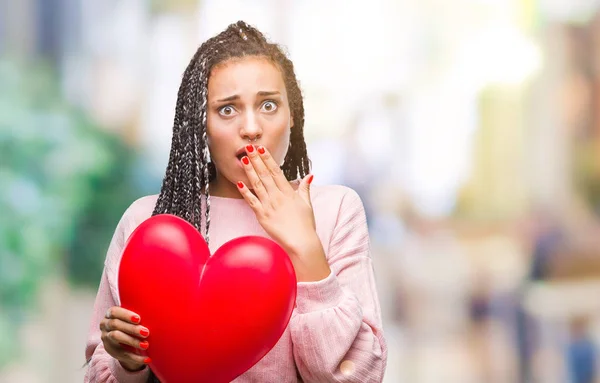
291, 120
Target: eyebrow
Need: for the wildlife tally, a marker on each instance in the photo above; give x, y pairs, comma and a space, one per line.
262, 93
266, 93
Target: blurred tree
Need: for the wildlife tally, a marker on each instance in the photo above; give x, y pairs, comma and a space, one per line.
65, 183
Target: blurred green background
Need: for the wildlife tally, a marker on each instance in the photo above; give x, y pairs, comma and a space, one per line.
65, 183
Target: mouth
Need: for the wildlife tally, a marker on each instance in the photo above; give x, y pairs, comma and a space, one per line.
241, 152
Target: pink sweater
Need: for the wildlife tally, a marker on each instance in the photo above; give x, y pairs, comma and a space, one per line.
335, 332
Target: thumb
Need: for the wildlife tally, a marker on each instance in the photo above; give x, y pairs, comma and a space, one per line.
304, 188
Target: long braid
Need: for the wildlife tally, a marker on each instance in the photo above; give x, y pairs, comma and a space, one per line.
167, 197
296, 164
205, 151
199, 163
197, 179
188, 162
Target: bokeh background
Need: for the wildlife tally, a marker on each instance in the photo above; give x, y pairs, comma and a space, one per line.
470, 128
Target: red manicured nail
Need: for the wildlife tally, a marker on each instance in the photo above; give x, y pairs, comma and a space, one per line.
135, 319
144, 332
240, 184
245, 160
144, 345
261, 150
249, 148
147, 360
310, 179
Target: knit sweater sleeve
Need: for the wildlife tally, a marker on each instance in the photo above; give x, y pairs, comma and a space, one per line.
101, 366
336, 330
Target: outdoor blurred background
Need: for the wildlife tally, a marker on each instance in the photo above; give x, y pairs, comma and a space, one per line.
470, 128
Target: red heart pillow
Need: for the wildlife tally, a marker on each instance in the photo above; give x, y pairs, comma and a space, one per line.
211, 318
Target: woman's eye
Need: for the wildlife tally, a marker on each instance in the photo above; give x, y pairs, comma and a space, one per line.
227, 110
269, 106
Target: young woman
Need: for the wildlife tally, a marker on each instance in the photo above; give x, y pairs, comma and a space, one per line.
238, 166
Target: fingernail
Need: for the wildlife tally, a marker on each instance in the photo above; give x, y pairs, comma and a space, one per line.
135, 319
310, 179
249, 148
144, 332
261, 150
245, 160
147, 360
240, 184
144, 345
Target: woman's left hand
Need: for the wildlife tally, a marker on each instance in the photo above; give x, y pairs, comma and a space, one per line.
284, 213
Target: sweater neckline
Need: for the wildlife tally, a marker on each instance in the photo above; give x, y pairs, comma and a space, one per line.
240, 200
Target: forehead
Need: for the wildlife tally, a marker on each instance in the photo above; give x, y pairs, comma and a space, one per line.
242, 75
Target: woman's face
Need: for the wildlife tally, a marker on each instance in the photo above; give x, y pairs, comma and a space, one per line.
247, 104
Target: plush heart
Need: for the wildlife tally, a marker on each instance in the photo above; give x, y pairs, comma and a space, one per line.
210, 318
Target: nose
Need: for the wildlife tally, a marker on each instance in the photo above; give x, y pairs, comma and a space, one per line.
251, 129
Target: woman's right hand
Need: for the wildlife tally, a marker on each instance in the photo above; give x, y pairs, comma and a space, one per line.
121, 327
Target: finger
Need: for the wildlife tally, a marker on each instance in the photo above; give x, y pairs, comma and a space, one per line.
250, 198
255, 182
117, 312
304, 189
262, 171
275, 170
121, 354
137, 331
135, 358
118, 338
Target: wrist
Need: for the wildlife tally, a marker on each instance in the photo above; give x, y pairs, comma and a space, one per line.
305, 246
132, 366
309, 260
314, 275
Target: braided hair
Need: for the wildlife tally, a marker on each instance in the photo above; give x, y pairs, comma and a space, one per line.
189, 171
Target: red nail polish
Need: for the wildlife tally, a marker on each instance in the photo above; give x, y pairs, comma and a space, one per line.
245, 160
135, 319
144, 345
261, 150
147, 360
249, 148
310, 179
144, 332
240, 184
